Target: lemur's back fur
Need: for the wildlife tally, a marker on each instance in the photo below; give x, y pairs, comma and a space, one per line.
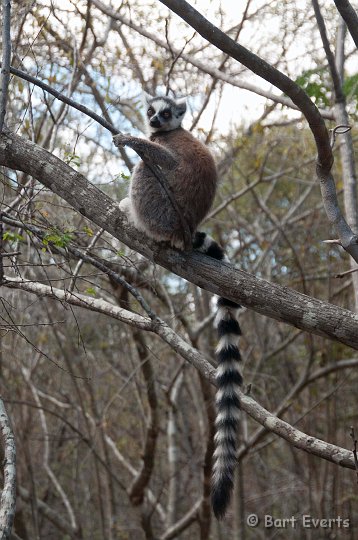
191, 174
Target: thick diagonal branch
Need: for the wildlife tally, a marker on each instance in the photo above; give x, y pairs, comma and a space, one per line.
275, 301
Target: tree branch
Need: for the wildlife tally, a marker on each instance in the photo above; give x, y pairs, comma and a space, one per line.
6, 54
311, 445
80, 300
325, 450
183, 523
275, 301
64, 99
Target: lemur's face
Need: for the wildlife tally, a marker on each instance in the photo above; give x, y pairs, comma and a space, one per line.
163, 113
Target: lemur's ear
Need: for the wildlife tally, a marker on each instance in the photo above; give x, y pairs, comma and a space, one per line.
180, 106
146, 98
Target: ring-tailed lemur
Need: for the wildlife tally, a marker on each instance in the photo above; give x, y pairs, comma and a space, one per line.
192, 177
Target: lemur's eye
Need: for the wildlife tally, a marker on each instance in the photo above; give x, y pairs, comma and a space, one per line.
166, 114
150, 111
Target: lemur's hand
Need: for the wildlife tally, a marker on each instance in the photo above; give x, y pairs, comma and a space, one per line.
121, 139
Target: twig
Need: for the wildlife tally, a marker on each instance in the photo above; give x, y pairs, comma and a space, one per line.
87, 258
65, 99
355, 455
9, 254
81, 260
347, 272
334, 241
339, 96
183, 523
175, 56
6, 54
338, 130
8, 495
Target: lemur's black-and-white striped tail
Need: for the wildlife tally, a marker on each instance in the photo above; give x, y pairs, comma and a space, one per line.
229, 381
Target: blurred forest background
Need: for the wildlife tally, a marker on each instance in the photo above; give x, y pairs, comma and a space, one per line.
113, 426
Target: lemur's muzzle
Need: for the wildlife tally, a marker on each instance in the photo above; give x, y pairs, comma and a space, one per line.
155, 122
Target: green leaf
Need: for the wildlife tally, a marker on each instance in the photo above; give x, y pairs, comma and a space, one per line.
57, 238
72, 159
122, 176
88, 231
350, 86
91, 291
12, 237
315, 85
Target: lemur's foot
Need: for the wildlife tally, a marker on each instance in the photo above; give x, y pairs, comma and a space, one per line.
125, 206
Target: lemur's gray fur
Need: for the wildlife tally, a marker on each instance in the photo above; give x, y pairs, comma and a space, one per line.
191, 173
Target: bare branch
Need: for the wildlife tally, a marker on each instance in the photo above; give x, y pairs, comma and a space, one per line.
117, 454
87, 258
6, 54
80, 300
346, 149
352, 434
183, 523
64, 99
81, 260
259, 66
351, 271
173, 449
52, 476
330, 452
